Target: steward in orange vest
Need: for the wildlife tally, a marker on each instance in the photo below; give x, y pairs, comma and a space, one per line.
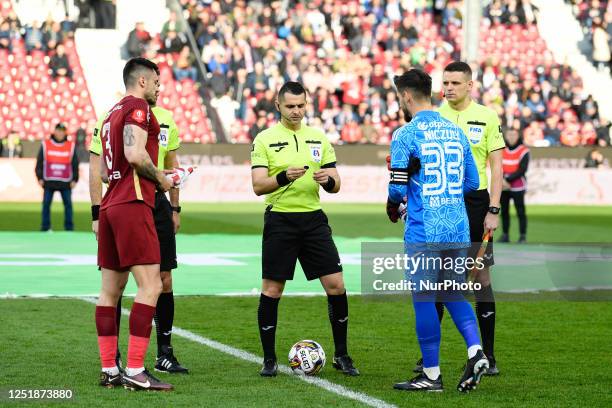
515, 163
57, 169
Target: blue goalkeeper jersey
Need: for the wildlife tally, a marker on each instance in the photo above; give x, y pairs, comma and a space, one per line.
436, 211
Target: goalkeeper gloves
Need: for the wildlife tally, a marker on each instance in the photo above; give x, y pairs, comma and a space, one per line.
393, 210
179, 176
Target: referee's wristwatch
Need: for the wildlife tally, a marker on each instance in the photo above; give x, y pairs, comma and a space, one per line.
177, 209
494, 210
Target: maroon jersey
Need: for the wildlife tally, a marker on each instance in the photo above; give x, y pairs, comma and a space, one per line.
125, 185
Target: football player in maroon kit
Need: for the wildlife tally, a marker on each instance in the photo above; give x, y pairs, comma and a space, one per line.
127, 240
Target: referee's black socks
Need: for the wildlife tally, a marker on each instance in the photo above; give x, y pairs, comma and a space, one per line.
337, 307
267, 316
485, 311
164, 319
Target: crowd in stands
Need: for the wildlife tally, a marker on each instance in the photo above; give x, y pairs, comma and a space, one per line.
46, 38
595, 16
346, 53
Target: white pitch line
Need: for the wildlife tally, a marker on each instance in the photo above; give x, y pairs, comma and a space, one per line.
252, 358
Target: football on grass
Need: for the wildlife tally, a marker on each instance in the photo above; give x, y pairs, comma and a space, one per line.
306, 357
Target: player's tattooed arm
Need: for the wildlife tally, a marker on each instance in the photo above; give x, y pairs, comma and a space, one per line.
134, 148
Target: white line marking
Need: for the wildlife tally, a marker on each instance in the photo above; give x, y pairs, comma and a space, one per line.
250, 357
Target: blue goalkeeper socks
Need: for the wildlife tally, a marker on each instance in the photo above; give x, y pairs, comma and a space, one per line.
465, 321
427, 329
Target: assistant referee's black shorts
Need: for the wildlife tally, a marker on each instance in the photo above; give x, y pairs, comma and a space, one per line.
165, 232
306, 236
477, 205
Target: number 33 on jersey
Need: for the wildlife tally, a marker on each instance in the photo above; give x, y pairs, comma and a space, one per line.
435, 193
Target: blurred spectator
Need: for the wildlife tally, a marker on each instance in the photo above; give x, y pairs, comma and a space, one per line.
183, 66
603, 132
34, 37
226, 109
138, 41
552, 133
267, 103
52, 34
594, 160
351, 132
601, 46
68, 26
6, 40
171, 43
10, 146
368, 131
57, 169
59, 63
173, 24
260, 125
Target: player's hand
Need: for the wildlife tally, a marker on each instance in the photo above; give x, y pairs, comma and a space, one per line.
164, 184
72, 184
94, 228
321, 176
41, 183
505, 185
176, 221
491, 222
294, 173
393, 211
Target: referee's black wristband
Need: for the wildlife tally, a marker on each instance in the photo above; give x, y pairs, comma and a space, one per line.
282, 179
95, 212
329, 186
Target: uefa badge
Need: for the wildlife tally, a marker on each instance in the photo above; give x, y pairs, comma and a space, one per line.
315, 151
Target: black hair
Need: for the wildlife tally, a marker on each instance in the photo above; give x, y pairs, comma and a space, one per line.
417, 81
459, 66
134, 67
292, 87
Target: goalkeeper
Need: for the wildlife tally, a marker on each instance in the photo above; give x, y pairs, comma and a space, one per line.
167, 223
431, 167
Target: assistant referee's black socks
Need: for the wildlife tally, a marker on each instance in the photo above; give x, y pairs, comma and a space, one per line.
337, 307
267, 316
164, 318
485, 311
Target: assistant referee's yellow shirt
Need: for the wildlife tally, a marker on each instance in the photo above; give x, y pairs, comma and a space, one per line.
278, 148
168, 135
481, 126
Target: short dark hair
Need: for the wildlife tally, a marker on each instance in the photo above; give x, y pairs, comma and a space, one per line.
459, 66
416, 81
134, 66
292, 87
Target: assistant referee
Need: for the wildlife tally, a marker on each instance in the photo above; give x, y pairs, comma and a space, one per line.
290, 161
483, 129
167, 223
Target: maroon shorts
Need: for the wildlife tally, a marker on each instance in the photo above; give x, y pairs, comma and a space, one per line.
127, 237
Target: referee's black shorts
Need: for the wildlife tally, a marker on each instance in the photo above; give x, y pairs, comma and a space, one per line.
306, 236
477, 205
165, 232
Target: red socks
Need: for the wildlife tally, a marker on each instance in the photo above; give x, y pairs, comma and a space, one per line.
106, 325
141, 318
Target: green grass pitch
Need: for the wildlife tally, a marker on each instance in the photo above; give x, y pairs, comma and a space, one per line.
551, 352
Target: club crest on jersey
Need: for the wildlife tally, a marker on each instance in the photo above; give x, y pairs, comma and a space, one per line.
475, 133
315, 152
163, 137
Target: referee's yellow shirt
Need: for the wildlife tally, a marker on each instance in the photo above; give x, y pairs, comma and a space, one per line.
481, 126
168, 135
278, 148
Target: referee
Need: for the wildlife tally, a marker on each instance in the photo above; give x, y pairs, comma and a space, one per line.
483, 129
290, 161
167, 223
